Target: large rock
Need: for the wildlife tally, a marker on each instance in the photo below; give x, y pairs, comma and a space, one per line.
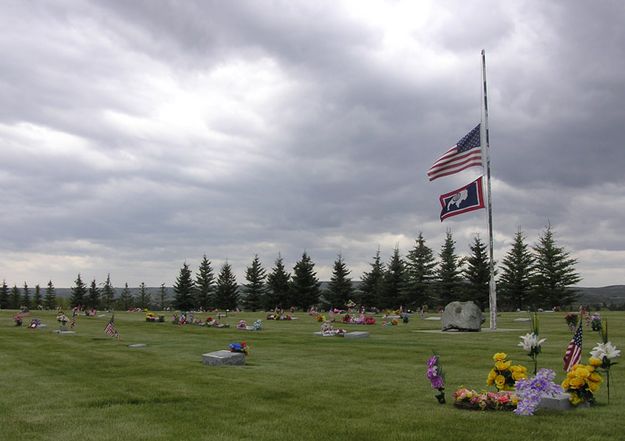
221, 358
461, 316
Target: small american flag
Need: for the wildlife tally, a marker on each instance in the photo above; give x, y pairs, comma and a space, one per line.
466, 153
573, 350
110, 329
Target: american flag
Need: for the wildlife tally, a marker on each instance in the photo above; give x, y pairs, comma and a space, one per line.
573, 350
466, 153
110, 329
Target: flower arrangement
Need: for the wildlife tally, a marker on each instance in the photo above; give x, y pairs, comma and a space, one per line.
571, 320
603, 354
470, 399
531, 343
239, 347
151, 317
581, 382
504, 375
242, 325
327, 330
595, 322
531, 391
437, 377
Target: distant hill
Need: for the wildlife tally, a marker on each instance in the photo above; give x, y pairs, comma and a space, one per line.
609, 295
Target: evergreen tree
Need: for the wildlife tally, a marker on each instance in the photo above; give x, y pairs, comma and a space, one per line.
125, 299
278, 284
394, 281
79, 292
162, 297
144, 297
255, 288
37, 300
108, 294
555, 272
183, 289
50, 298
448, 273
477, 274
26, 297
93, 296
15, 300
205, 285
226, 291
4, 295
515, 283
372, 283
305, 285
340, 289
420, 274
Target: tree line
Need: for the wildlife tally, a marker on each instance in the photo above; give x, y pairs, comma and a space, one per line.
540, 276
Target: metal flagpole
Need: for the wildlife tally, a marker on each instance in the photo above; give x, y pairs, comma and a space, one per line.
492, 299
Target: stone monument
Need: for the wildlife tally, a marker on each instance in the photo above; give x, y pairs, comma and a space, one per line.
462, 316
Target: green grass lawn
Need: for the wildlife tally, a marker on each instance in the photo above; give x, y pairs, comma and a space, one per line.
295, 385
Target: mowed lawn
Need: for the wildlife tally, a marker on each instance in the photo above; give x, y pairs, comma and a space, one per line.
295, 385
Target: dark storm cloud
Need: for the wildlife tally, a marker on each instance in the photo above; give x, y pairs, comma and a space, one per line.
139, 134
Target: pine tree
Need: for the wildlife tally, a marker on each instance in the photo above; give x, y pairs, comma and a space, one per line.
448, 273
555, 272
93, 296
205, 285
79, 292
278, 284
420, 274
183, 289
108, 294
126, 300
162, 297
477, 274
226, 291
4, 295
515, 283
15, 300
50, 298
37, 300
394, 281
144, 297
26, 297
372, 283
340, 289
255, 289
305, 285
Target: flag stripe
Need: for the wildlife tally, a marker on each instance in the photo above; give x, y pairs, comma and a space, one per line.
466, 153
455, 168
573, 350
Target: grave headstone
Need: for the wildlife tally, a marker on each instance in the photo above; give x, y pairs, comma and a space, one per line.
461, 316
559, 402
223, 358
137, 345
357, 334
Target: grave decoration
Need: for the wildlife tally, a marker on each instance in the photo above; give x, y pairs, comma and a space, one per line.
581, 382
239, 347
214, 323
256, 326
279, 316
504, 375
34, 323
392, 322
18, 320
436, 376
470, 399
531, 343
603, 354
327, 330
152, 317
62, 319
571, 321
595, 322
531, 391
361, 319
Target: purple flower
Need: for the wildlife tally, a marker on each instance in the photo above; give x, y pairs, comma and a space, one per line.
531, 391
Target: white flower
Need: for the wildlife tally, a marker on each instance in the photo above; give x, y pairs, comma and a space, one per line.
605, 350
530, 341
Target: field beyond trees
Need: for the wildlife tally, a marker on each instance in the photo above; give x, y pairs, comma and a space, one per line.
295, 385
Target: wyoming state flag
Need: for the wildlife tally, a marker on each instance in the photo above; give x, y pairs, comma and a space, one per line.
465, 199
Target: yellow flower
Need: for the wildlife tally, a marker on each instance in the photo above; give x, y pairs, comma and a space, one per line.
582, 372
595, 362
577, 382
491, 377
595, 377
500, 380
565, 384
593, 386
575, 399
502, 365
518, 375
500, 356
518, 368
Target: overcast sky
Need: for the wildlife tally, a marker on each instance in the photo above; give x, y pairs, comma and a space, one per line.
137, 135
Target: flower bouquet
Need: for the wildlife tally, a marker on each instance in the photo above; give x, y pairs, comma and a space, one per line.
531, 343
581, 383
603, 354
470, 399
531, 391
437, 377
595, 322
239, 347
571, 320
504, 375
327, 330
